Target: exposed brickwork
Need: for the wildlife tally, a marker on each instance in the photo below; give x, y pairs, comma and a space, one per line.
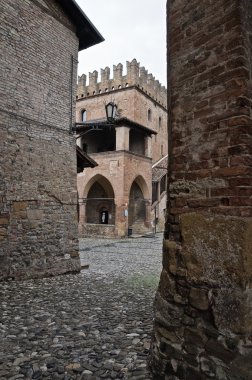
38, 221
211, 109
111, 165
135, 76
132, 101
142, 99
203, 318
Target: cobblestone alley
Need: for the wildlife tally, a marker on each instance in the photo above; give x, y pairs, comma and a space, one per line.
92, 325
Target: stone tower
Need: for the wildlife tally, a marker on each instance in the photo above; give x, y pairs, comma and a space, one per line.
203, 307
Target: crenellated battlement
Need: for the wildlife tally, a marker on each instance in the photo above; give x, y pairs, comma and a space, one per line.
135, 76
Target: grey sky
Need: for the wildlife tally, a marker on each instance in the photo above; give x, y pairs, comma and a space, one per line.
132, 29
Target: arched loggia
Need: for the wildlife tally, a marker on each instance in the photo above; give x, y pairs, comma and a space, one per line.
100, 205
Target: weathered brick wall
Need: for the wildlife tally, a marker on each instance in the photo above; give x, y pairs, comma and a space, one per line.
134, 105
135, 76
203, 316
38, 222
211, 164
120, 169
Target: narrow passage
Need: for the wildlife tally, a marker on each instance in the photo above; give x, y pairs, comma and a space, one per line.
90, 326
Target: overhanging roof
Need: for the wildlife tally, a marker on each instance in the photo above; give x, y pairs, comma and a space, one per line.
121, 121
87, 33
84, 160
159, 169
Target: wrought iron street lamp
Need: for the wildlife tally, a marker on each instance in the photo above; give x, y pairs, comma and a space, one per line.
111, 109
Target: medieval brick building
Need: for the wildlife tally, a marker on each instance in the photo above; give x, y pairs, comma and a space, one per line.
115, 198
203, 307
38, 194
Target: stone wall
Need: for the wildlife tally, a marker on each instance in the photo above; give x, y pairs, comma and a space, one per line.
38, 219
203, 312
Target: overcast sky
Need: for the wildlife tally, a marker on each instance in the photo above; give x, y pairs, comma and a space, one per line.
132, 29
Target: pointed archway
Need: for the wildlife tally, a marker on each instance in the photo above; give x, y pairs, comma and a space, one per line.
138, 218
100, 205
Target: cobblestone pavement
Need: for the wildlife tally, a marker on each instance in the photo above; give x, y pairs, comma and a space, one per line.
92, 325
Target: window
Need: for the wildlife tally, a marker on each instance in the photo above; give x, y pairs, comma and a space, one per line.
163, 184
149, 115
83, 115
159, 122
154, 192
162, 150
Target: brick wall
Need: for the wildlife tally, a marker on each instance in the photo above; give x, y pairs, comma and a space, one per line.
211, 111
38, 222
135, 76
118, 171
203, 318
133, 104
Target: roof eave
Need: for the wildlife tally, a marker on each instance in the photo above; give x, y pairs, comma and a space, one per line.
86, 31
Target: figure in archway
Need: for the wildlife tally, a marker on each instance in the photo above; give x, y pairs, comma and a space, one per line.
104, 216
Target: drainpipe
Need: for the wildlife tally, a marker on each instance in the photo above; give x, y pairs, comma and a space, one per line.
73, 60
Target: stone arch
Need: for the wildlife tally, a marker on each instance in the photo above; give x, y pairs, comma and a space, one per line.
103, 181
143, 186
100, 205
83, 115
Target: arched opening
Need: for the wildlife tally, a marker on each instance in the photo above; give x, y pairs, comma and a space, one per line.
149, 115
138, 210
83, 116
100, 205
137, 142
136, 205
159, 122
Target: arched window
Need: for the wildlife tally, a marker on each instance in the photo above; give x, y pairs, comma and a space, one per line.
159, 122
149, 114
83, 115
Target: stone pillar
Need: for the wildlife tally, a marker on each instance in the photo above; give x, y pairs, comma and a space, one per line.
203, 306
148, 146
121, 217
122, 138
82, 215
148, 213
